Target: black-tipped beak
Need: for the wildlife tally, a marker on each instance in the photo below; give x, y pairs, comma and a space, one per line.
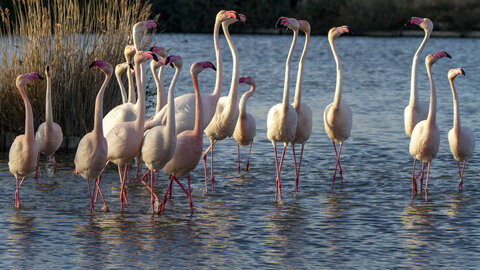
39, 76
131, 66
277, 24
237, 16
448, 55
151, 49
48, 68
407, 22
92, 64
154, 57
213, 67
463, 72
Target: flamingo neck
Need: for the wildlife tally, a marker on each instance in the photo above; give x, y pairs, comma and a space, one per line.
97, 124
413, 84
456, 114
122, 87
298, 87
198, 128
243, 101
338, 89
219, 79
48, 102
140, 121
29, 129
432, 111
233, 94
131, 87
285, 102
161, 99
171, 104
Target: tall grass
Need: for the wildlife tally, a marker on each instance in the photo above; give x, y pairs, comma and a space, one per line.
68, 35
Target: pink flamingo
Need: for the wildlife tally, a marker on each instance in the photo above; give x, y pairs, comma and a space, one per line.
337, 116
245, 128
425, 138
49, 135
225, 118
282, 118
304, 113
185, 104
137, 31
23, 152
460, 138
189, 142
92, 150
159, 142
119, 70
157, 69
125, 139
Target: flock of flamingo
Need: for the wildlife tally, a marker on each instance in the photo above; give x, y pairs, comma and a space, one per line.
172, 139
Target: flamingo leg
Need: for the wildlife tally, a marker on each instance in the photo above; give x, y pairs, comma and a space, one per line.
337, 164
36, 167
212, 177
152, 199
248, 158
276, 169
51, 159
17, 194
414, 182
149, 189
238, 158
170, 178
127, 169
421, 176
91, 197
190, 196
298, 171
97, 182
279, 171
460, 183
295, 165
205, 166
100, 178
426, 184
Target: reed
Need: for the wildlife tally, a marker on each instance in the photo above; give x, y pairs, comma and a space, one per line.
68, 35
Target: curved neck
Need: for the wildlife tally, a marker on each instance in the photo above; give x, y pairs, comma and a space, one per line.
97, 124
140, 121
298, 87
433, 98
243, 101
219, 80
161, 99
198, 129
456, 114
233, 94
48, 102
413, 84
338, 90
171, 103
131, 87
29, 129
285, 102
122, 87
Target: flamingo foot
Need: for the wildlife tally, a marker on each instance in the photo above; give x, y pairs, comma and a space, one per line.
248, 165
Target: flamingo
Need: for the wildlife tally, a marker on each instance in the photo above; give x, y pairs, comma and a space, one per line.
425, 138
157, 69
92, 150
189, 142
49, 135
125, 139
225, 118
119, 70
337, 116
137, 31
159, 142
245, 129
416, 110
460, 138
304, 113
185, 104
23, 152
282, 117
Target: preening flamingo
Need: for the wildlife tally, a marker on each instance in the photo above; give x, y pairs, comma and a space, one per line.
185, 104
282, 117
460, 138
225, 118
159, 142
125, 139
337, 116
23, 153
416, 110
425, 138
189, 142
49, 134
304, 113
245, 128
92, 150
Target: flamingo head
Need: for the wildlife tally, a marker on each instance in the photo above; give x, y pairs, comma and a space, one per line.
198, 67
291, 23
174, 61
23, 79
104, 66
159, 50
48, 70
247, 80
224, 15
335, 32
145, 25
240, 18
452, 73
128, 52
432, 58
143, 56
304, 26
424, 23
120, 68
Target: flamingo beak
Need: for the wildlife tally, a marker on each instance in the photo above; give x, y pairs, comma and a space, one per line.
92, 64
131, 66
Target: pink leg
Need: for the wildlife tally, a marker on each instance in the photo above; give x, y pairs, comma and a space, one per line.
238, 158
414, 182
279, 171
212, 177
276, 169
426, 184
50, 159
91, 197
248, 158
337, 164
17, 194
100, 178
460, 183
97, 182
152, 199
170, 178
295, 165
36, 168
421, 177
205, 166
149, 189
190, 196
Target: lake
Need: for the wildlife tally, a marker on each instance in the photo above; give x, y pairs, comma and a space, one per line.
372, 222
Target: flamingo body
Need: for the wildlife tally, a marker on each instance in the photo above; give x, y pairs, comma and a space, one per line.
338, 122
461, 142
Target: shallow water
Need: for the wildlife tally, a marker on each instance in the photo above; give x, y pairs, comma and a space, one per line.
370, 222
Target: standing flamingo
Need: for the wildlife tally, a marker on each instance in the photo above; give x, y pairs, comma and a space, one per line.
416, 110
460, 138
425, 138
282, 118
23, 152
49, 135
159, 142
119, 70
125, 139
137, 31
225, 118
157, 69
246, 128
92, 150
189, 142
337, 116
304, 113
185, 104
